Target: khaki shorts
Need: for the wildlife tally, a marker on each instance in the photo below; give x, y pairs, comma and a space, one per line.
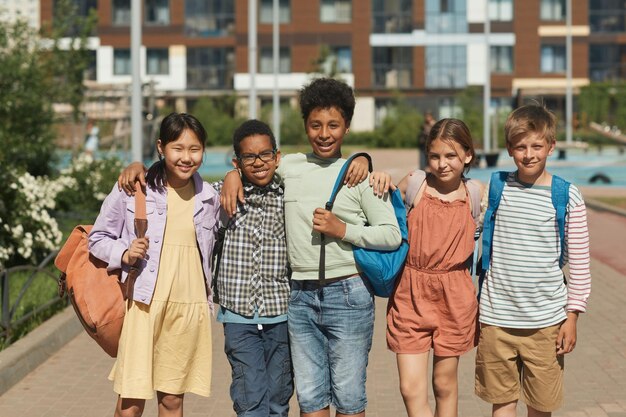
507, 358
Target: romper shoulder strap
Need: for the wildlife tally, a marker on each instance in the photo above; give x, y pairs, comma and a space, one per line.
416, 179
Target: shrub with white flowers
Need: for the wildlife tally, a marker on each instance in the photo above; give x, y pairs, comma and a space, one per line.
28, 228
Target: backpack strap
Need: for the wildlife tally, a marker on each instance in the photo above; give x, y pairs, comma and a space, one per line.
474, 190
329, 206
496, 186
560, 200
141, 227
415, 181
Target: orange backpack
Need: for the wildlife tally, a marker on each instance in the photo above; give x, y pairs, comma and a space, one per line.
97, 295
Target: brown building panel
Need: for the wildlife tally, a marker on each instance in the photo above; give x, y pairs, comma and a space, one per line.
419, 14
527, 43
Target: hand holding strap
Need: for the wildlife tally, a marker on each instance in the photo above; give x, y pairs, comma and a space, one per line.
329, 206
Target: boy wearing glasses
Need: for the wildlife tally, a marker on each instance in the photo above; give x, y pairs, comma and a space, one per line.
253, 281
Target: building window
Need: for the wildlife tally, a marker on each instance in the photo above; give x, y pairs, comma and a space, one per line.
121, 12
210, 68
446, 66
157, 61
157, 12
266, 60
121, 62
607, 16
339, 60
446, 16
502, 59
501, 10
552, 10
392, 16
392, 67
209, 18
607, 62
336, 11
81, 8
553, 58
266, 12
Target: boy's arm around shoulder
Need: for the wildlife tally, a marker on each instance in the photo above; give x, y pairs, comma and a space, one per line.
106, 239
382, 231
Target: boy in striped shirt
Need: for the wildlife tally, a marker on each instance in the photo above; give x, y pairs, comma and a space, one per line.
528, 313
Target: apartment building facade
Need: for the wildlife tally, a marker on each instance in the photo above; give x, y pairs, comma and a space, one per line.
426, 50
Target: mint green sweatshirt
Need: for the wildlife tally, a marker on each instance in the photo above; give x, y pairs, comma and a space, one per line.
308, 182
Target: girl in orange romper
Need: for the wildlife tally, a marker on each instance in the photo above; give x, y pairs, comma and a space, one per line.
434, 304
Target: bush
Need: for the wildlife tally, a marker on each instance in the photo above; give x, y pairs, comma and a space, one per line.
92, 180
28, 229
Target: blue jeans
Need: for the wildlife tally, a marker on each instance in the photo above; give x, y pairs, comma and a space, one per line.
262, 378
330, 332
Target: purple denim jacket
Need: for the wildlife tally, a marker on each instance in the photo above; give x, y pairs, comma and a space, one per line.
114, 230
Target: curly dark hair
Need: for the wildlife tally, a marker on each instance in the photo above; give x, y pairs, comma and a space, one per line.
250, 128
326, 93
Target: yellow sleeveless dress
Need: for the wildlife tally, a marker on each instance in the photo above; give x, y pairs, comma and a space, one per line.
166, 346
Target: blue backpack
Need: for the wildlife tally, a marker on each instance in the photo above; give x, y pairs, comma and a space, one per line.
560, 199
381, 268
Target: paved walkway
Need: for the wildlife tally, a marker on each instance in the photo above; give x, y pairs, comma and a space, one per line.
73, 383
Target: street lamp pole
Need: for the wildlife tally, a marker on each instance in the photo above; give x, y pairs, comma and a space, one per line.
136, 118
568, 93
487, 89
276, 68
252, 57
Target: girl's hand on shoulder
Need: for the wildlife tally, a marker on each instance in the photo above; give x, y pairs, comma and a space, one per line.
357, 171
381, 183
232, 192
326, 222
137, 250
132, 173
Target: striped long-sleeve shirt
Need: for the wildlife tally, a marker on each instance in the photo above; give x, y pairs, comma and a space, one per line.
524, 287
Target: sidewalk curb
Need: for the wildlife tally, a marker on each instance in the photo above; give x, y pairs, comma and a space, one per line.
32, 350
600, 206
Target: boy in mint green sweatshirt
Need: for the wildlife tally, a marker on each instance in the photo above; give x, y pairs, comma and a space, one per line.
330, 325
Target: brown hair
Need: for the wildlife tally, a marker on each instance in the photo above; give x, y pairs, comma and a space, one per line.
453, 130
530, 119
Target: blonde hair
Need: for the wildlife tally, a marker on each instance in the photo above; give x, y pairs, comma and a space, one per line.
530, 119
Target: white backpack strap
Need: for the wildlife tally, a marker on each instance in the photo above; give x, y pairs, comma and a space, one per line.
475, 194
416, 180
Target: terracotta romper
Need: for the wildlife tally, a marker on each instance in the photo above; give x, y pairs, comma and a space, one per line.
434, 303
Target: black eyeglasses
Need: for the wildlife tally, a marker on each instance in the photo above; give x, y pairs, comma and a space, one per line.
250, 158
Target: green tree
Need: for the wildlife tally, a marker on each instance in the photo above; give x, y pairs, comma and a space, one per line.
291, 125
401, 126
469, 101
218, 118
68, 61
594, 102
26, 116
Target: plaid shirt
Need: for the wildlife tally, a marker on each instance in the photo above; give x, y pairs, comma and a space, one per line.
254, 273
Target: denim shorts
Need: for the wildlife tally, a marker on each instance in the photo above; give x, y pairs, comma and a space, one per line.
330, 333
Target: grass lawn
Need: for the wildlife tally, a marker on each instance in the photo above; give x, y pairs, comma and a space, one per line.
619, 202
42, 289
